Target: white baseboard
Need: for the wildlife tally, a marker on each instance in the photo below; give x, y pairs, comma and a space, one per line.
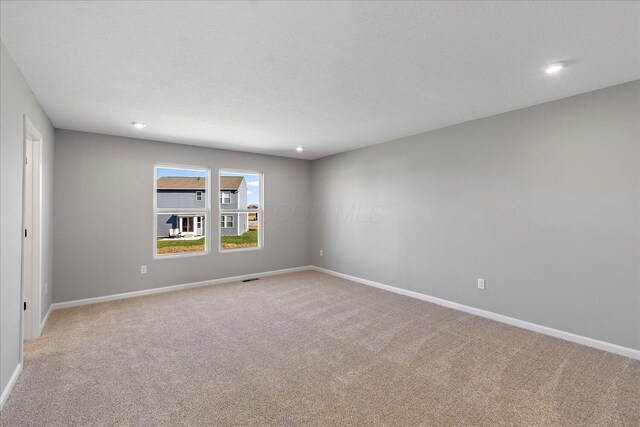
568, 336
134, 294
12, 381
46, 317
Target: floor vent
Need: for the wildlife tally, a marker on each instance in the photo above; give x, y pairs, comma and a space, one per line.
251, 280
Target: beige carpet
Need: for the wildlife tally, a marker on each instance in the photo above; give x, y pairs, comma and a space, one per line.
309, 349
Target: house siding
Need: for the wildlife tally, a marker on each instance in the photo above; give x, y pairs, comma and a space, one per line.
243, 223
243, 220
234, 200
240, 224
233, 231
240, 220
242, 198
185, 199
238, 201
166, 222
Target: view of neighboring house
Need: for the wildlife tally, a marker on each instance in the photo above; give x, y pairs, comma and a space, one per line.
189, 193
181, 192
233, 195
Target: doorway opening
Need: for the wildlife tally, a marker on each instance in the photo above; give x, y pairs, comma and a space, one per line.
32, 232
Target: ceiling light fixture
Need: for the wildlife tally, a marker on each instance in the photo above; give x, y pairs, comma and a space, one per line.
555, 67
139, 125
300, 149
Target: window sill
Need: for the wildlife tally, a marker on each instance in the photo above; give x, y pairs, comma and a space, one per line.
226, 251
180, 255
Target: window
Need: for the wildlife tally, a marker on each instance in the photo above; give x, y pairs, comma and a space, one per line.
225, 197
241, 210
227, 221
181, 209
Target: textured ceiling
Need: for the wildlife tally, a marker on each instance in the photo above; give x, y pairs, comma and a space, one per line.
333, 76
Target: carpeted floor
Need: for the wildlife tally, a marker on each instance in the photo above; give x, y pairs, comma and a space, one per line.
309, 349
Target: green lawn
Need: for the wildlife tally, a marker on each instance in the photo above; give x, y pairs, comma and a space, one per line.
248, 239
178, 242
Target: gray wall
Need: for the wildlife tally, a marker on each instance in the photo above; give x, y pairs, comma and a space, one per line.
17, 100
116, 173
543, 203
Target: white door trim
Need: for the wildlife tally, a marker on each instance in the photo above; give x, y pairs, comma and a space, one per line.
32, 280
197, 225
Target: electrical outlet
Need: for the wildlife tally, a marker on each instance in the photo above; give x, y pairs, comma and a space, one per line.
143, 269
480, 283
321, 254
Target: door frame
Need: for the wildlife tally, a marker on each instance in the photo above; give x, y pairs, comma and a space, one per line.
31, 280
198, 220
184, 222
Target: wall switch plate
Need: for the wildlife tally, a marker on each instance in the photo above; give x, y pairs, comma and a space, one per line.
46, 287
321, 253
143, 269
480, 283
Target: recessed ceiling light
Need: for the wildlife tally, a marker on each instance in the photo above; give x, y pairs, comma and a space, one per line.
300, 149
555, 67
139, 125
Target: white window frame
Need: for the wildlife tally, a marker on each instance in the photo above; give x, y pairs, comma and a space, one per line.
259, 211
198, 196
226, 223
222, 193
206, 211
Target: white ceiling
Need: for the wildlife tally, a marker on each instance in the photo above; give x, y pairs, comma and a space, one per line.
333, 76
